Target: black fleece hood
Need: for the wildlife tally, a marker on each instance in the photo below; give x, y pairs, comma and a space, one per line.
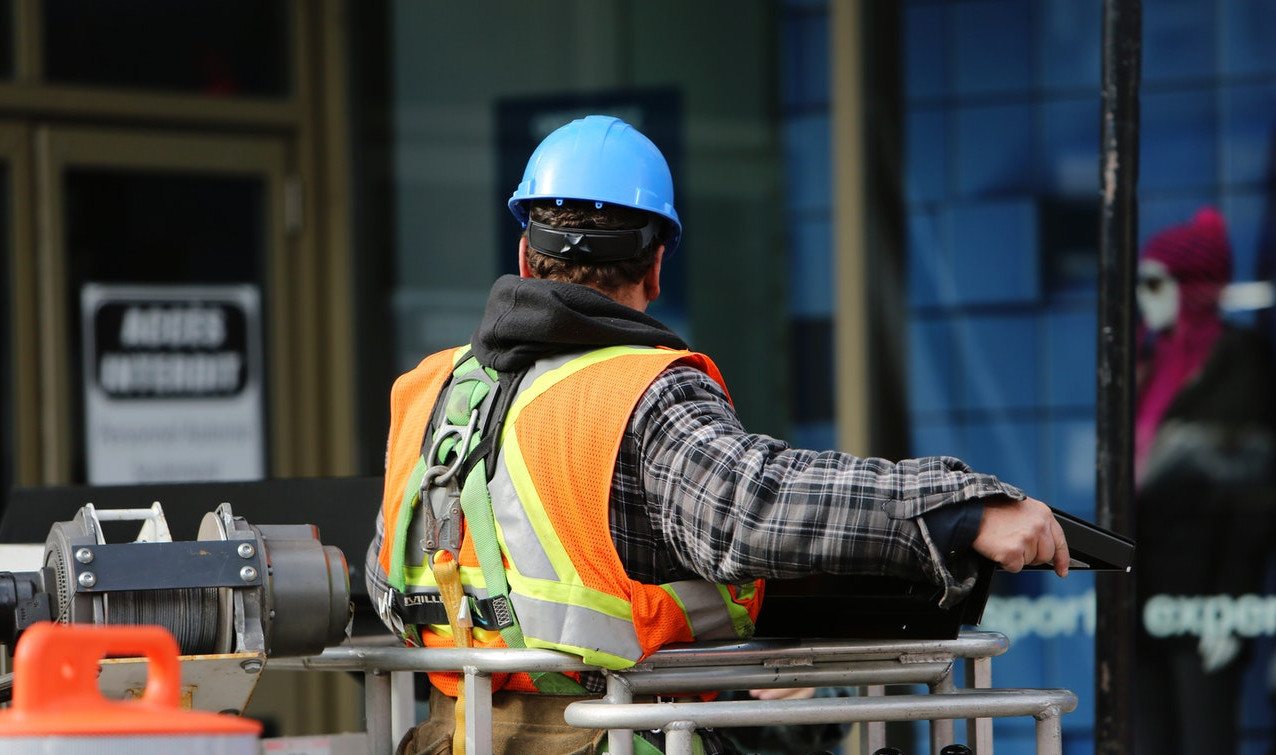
528, 318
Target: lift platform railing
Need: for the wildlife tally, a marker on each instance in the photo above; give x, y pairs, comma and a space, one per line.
869, 665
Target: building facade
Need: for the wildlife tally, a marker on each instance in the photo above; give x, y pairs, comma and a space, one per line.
891, 216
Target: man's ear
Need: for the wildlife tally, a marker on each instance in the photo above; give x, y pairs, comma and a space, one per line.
524, 270
651, 281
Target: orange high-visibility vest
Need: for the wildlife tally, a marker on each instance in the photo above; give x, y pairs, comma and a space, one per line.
551, 497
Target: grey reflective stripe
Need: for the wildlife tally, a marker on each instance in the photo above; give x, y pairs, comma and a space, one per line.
527, 554
577, 626
412, 589
545, 365
708, 614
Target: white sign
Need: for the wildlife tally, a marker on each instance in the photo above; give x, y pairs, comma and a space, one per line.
172, 383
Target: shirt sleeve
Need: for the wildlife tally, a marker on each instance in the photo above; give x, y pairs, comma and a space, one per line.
735, 506
954, 527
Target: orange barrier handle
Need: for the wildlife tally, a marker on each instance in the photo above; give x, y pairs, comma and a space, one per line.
56, 665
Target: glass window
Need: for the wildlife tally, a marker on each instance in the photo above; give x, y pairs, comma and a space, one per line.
216, 48
459, 141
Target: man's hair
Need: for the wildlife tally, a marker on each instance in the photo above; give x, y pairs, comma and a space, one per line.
607, 276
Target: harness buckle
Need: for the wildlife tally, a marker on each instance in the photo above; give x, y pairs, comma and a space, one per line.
448, 535
440, 493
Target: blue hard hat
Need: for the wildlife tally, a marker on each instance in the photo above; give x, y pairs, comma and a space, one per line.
602, 159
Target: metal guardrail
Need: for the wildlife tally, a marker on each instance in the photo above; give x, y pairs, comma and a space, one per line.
679, 720
870, 665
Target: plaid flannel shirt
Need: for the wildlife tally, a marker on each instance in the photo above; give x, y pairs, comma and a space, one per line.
694, 494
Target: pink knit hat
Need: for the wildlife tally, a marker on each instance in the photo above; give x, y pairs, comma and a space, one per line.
1199, 257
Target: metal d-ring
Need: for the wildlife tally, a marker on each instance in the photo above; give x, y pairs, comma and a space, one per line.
441, 474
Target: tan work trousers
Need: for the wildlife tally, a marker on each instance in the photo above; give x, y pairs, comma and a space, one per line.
522, 724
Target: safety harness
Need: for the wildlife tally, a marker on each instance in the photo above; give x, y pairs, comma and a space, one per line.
465, 445
451, 484
447, 506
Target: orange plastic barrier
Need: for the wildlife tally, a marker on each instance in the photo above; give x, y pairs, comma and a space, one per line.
57, 704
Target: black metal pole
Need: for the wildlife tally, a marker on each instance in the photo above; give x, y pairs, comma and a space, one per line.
1114, 411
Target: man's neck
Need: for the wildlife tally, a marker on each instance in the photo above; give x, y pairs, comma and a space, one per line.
631, 296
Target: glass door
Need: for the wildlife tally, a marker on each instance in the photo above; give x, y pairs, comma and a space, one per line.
160, 231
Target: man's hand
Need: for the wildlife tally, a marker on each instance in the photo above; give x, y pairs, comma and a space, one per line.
783, 693
1023, 533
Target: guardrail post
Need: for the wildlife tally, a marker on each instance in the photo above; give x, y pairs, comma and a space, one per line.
376, 704
402, 704
873, 733
678, 739
478, 712
979, 730
941, 730
619, 741
1049, 734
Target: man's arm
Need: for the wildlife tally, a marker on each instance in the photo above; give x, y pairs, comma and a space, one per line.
735, 505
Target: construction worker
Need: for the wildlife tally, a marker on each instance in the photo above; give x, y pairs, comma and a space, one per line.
575, 478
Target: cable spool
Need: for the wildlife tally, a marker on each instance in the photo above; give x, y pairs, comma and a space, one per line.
190, 614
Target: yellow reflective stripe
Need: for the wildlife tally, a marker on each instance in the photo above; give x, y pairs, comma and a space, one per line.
741, 621
567, 586
591, 656
547, 380
533, 509
572, 594
530, 557
607, 641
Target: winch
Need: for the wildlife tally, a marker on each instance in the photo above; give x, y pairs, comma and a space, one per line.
242, 590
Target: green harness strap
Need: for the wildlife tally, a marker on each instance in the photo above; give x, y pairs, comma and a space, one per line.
473, 385
398, 548
482, 523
